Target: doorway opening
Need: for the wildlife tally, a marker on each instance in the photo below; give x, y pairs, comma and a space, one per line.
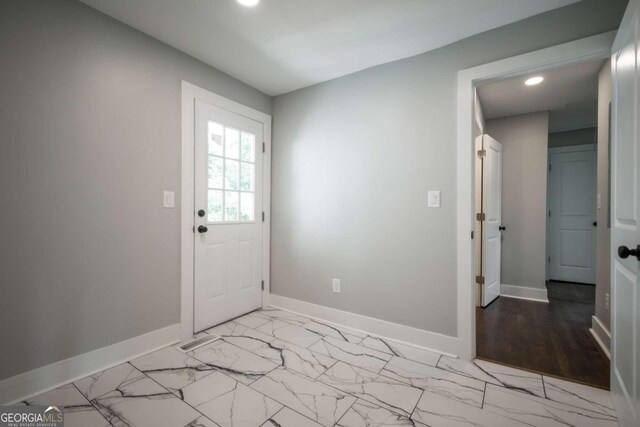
538, 183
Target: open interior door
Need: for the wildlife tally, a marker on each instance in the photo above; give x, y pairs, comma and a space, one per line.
625, 227
491, 218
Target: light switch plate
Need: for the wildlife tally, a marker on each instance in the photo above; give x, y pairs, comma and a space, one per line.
434, 199
168, 200
337, 286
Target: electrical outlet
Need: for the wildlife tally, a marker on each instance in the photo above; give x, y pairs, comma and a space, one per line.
337, 286
607, 302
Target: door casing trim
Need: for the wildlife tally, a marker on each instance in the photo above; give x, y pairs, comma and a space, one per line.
190, 93
590, 48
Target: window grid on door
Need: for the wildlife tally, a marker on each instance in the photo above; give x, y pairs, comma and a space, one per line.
230, 174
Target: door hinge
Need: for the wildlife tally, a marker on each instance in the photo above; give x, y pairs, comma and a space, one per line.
472, 235
262, 216
549, 214
549, 166
262, 286
480, 280
548, 259
482, 153
264, 147
480, 216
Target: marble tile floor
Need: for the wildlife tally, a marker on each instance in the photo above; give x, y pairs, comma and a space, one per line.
272, 368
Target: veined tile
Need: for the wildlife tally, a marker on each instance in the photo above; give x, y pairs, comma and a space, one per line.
78, 411
104, 382
353, 354
295, 358
172, 368
310, 398
581, 396
202, 422
335, 332
240, 364
402, 350
366, 414
138, 400
438, 381
252, 320
533, 410
228, 402
375, 388
290, 333
235, 330
277, 314
436, 410
511, 378
288, 418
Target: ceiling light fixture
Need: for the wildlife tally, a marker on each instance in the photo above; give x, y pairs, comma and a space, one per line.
534, 81
248, 3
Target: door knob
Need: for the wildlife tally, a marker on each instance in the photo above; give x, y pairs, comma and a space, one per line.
502, 228
202, 229
595, 223
624, 252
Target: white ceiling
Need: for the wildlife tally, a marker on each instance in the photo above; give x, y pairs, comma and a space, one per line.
283, 45
569, 93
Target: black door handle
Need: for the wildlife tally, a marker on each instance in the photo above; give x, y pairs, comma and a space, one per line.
202, 229
502, 228
595, 223
624, 252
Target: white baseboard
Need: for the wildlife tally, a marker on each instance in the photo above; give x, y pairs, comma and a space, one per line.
523, 292
420, 338
49, 377
602, 335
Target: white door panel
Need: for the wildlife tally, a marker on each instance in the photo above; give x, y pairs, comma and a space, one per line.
492, 208
228, 194
572, 197
625, 236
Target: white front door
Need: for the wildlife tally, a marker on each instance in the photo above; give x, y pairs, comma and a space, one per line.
625, 224
492, 209
228, 215
572, 213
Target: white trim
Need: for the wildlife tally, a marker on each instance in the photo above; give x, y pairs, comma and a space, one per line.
189, 94
591, 48
415, 337
49, 377
572, 148
524, 292
601, 334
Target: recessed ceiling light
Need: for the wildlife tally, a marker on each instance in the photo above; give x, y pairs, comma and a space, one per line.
534, 81
248, 3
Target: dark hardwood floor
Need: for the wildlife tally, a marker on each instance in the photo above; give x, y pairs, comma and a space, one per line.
551, 338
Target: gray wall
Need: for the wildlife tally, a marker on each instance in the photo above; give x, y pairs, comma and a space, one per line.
524, 142
573, 137
90, 137
354, 157
603, 232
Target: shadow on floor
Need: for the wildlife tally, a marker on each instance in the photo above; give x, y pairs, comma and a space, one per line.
551, 338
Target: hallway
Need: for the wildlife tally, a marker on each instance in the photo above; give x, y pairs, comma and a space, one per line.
552, 338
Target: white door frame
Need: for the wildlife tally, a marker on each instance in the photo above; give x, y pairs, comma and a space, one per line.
190, 93
591, 48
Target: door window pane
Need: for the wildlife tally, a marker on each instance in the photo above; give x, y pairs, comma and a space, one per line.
216, 172
231, 143
247, 172
248, 147
247, 206
215, 138
215, 205
231, 206
231, 174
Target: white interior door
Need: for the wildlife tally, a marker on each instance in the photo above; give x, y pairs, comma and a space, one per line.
572, 213
228, 215
492, 209
625, 231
